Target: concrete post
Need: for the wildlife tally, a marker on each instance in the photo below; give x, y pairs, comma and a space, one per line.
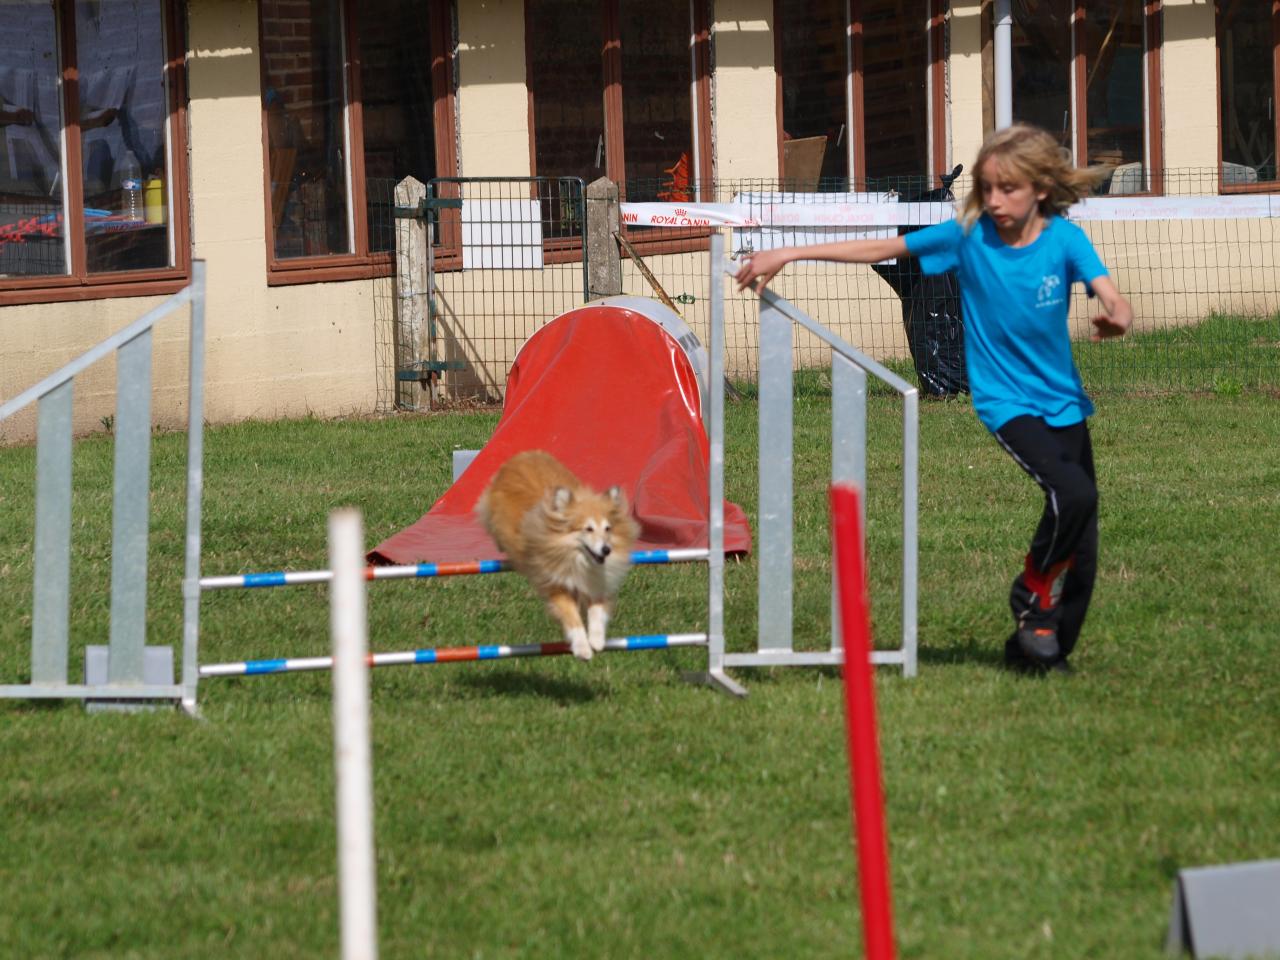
412, 330
604, 260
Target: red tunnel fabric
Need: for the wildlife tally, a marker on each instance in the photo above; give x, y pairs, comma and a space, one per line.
611, 395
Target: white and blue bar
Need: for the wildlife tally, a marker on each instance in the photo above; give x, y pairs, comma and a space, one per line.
421, 571
251, 668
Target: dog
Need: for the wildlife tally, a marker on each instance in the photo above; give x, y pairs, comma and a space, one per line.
571, 543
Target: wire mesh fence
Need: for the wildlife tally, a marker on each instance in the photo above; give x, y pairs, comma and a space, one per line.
1199, 268
506, 255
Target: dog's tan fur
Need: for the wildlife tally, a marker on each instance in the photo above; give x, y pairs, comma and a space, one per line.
571, 543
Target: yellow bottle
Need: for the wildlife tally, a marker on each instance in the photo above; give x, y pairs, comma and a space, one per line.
153, 200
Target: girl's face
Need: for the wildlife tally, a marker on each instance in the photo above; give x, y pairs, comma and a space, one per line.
1011, 200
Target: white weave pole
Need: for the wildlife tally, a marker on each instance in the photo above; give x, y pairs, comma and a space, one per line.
357, 884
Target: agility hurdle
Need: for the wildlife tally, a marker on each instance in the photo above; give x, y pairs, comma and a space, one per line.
127, 681
700, 363
133, 674
774, 643
849, 369
426, 657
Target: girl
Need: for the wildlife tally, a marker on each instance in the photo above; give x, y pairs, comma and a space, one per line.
1016, 259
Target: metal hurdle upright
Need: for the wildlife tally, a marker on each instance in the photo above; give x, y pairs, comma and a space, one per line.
774, 537
133, 674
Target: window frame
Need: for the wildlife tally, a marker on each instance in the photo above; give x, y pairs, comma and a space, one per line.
855, 86
1153, 37
1152, 28
1265, 186
362, 263
78, 284
651, 240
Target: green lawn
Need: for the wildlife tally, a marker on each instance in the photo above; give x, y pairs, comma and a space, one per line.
549, 808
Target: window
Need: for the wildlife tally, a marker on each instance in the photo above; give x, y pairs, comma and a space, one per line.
92, 176
1084, 70
620, 89
859, 83
356, 97
1248, 65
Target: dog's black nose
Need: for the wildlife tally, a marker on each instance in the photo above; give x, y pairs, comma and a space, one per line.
606, 550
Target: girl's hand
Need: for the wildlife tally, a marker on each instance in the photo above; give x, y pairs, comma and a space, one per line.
757, 269
1119, 315
1105, 327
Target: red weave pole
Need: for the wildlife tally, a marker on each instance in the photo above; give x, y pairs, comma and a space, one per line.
860, 724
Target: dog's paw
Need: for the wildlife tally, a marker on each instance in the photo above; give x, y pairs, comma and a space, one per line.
597, 622
579, 644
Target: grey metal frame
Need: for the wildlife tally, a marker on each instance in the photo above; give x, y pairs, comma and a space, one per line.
130, 521
774, 547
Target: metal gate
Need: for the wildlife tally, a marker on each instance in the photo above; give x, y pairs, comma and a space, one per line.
505, 256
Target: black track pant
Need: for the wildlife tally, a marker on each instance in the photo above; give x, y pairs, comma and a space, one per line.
1054, 588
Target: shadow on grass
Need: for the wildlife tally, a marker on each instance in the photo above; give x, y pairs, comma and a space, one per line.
529, 684
42, 707
982, 653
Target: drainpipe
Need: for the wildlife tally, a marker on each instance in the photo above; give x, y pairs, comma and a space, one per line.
1003, 39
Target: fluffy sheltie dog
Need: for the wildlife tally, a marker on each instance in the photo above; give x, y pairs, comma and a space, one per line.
571, 543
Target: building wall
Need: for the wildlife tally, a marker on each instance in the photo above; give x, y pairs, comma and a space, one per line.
310, 348
964, 82
271, 351
493, 105
744, 91
1190, 85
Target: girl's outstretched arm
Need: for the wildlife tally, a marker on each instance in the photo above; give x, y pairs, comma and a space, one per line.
757, 269
1118, 316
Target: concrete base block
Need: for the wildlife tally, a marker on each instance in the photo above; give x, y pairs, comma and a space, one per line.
157, 669
461, 460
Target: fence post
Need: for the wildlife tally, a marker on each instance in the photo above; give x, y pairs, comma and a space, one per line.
604, 259
411, 289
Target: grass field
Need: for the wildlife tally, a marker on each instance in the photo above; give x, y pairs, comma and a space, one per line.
556, 809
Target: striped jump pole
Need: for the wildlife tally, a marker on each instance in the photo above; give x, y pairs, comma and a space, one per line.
421, 571
251, 668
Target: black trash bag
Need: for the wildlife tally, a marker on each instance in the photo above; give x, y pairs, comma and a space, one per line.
931, 312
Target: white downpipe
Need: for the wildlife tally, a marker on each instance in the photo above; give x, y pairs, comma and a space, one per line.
357, 877
1003, 40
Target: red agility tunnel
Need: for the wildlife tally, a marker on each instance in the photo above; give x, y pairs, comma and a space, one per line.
614, 390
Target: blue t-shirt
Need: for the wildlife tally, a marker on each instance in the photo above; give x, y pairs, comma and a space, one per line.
1017, 345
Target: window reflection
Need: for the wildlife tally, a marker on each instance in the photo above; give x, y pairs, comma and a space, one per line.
657, 125
1248, 86
32, 235
1042, 65
565, 76
1116, 91
306, 126
895, 97
123, 123
397, 105
815, 71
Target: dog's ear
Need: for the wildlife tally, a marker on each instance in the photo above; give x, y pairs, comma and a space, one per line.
618, 498
561, 497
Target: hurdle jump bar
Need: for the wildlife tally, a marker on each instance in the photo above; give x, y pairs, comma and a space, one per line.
452, 655
422, 571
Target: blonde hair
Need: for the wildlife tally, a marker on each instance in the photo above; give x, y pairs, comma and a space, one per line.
1032, 153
